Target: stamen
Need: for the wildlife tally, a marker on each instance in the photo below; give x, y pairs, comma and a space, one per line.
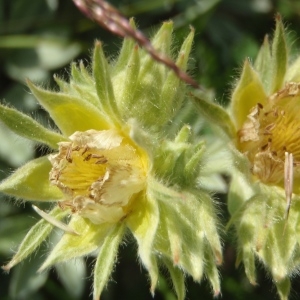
54, 221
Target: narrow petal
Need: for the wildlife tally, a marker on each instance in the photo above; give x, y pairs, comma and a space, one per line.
29, 128
70, 246
106, 259
143, 223
31, 182
36, 235
69, 113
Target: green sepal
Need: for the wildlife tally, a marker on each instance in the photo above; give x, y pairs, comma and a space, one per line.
143, 223
29, 128
31, 182
106, 259
211, 270
214, 113
126, 83
103, 83
68, 112
177, 277
283, 288
151, 78
248, 92
189, 222
173, 90
263, 62
90, 237
279, 57
125, 53
35, 236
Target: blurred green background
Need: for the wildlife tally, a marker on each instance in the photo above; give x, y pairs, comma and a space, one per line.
39, 38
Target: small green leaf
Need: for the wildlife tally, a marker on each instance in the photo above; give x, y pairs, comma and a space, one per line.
31, 182
248, 92
263, 62
143, 223
103, 84
126, 82
214, 114
279, 57
283, 288
106, 259
68, 112
177, 279
35, 236
29, 128
70, 246
125, 53
173, 90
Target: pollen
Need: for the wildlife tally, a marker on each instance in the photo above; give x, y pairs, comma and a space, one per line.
99, 173
270, 132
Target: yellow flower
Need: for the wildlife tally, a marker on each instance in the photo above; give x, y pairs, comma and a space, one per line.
266, 182
99, 174
115, 168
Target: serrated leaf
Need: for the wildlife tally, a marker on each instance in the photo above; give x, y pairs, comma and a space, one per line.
70, 246
31, 182
26, 127
68, 112
106, 259
35, 236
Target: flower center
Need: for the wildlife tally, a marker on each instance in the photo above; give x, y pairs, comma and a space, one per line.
271, 131
99, 173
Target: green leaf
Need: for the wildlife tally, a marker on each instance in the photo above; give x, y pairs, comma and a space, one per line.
70, 246
283, 288
35, 236
29, 128
68, 112
103, 84
125, 53
125, 83
173, 90
177, 279
279, 57
215, 114
143, 223
248, 92
31, 182
106, 259
263, 62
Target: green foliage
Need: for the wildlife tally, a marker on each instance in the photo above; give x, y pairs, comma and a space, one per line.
42, 38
